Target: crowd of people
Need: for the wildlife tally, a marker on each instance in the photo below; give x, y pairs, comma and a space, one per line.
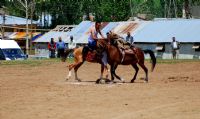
60, 47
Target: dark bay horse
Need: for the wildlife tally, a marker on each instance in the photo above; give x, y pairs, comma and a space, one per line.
115, 58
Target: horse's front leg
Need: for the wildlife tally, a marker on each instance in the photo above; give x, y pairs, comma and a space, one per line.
111, 73
102, 70
136, 72
118, 77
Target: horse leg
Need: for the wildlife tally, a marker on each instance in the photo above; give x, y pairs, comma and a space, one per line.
69, 75
70, 67
102, 69
136, 69
113, 71
76, 69
101, 75
145, 70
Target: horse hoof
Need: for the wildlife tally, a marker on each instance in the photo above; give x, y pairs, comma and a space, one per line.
132, 81
122, 80
79, 80
67, 79
98, 81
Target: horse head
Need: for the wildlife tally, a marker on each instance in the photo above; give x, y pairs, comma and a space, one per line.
112, 35
102, 45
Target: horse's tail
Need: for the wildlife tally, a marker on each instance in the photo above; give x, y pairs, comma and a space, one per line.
153, 58
68, 51
65, 54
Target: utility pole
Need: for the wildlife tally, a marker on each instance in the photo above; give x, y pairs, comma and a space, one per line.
27, 40
25, 8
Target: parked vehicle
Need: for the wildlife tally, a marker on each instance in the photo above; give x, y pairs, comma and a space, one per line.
10, 50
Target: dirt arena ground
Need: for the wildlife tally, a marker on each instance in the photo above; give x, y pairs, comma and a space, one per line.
41, 92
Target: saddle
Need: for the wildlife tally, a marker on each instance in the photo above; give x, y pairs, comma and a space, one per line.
91, 55
129, 51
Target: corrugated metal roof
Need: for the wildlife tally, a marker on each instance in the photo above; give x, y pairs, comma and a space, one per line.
143, 31
53, 34
13, 20
81, 32
185, 30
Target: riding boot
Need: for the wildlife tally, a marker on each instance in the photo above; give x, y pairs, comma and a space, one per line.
85, 51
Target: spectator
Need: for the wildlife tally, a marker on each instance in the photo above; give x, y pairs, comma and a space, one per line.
129, 38
60, 45
71, 45
52, 48
175, 48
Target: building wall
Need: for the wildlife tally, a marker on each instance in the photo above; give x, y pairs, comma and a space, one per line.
41, 50
186, 51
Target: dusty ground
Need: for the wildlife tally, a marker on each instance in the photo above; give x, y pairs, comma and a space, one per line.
40, 92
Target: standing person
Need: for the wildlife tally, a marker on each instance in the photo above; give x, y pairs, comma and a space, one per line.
92, 40
52, 48
60, 45
175, 48
71, 45
129, 38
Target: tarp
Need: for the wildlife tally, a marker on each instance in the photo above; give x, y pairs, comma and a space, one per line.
22, 35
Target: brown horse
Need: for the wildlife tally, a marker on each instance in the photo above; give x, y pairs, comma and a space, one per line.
116, 57
79, 58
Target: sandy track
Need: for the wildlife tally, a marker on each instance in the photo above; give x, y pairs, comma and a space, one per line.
30, 92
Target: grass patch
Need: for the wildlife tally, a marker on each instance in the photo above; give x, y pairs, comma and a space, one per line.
174, 61
40, 62
30, 62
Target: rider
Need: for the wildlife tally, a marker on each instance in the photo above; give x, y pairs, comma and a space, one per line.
92, 41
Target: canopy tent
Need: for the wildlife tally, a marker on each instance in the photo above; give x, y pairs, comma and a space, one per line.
22, 35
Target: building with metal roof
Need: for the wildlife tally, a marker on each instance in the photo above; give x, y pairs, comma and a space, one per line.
185, 30
155, 35
13, 20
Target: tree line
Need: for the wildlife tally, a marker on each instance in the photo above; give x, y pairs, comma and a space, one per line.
74, 11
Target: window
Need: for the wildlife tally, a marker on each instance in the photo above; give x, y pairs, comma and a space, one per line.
1, 55
13, 53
